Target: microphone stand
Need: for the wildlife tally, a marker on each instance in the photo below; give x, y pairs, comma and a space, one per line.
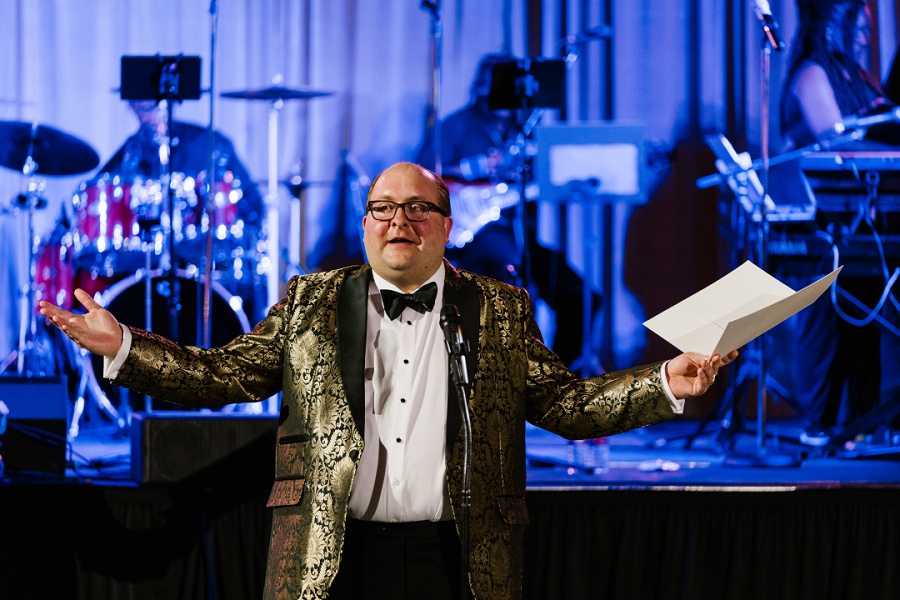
456, 348
456, 368
761, 457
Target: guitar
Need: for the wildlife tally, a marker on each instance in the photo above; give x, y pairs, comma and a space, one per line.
476, 204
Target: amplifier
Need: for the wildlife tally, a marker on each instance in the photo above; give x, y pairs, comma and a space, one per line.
172, 446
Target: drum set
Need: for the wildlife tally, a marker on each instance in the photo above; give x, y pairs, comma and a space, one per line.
113, 240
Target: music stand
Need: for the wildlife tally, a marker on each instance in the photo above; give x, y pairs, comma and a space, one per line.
589, 163
525, 86
751, 194
159, 78
173, 79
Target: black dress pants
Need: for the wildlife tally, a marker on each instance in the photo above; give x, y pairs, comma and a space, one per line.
399, 561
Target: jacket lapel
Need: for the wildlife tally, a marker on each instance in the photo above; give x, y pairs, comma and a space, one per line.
464, 294
351, 325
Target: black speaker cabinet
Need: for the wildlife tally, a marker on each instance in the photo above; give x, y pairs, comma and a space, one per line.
209, 447
35, 438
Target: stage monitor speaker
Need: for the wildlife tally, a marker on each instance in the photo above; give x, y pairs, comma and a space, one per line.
174, 446
35, 437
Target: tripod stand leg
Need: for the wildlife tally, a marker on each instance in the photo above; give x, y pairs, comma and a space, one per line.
88, 387
9, 360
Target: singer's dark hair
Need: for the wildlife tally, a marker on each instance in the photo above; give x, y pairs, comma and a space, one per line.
825, 36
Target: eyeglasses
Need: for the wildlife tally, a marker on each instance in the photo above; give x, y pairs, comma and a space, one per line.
384, 210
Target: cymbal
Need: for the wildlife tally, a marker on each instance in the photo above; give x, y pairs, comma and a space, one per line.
55, 152
276, 92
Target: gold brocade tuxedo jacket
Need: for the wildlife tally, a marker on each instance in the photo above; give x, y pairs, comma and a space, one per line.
311, 347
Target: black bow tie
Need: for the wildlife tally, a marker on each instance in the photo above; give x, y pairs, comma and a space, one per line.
422, 300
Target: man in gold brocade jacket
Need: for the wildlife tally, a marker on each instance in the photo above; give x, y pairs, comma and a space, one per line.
370, 438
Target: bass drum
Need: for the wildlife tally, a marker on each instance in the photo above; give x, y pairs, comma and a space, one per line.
126, 300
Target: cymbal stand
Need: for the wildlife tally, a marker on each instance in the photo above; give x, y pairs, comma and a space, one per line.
434, 113
33, 355
88, 386
273, 243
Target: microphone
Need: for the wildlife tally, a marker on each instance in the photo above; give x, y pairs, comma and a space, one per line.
769, 25
455, 342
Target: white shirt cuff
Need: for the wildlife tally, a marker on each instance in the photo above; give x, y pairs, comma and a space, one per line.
677, 404
111, 367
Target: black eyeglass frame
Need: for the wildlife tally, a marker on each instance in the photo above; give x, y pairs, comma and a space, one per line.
431, 207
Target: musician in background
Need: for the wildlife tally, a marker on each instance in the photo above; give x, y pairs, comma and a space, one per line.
143, 155
140, 155
475, 150
841, 369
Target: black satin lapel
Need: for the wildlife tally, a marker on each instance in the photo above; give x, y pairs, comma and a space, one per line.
351, 324
464, 294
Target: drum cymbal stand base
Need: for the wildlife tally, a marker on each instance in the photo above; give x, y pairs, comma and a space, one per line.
89, 388
33, 356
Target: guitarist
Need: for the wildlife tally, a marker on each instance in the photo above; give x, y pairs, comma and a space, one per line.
475, 152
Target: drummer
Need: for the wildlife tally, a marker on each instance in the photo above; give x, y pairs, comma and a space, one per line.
139, 155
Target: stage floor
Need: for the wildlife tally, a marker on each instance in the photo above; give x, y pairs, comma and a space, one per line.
660, 457
655, 457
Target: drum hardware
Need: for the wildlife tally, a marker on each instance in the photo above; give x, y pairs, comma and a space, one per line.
31, 148
37, 150
275, 95
296, 257
89, 387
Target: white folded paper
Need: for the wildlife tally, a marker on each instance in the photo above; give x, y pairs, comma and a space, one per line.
732, 311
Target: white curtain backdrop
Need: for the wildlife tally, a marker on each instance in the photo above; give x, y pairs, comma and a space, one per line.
60, 67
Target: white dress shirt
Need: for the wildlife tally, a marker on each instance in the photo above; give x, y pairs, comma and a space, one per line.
401, 473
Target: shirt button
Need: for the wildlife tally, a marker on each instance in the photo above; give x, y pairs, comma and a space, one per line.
405, 361
409, 322
395, 482
399, 440
402, 399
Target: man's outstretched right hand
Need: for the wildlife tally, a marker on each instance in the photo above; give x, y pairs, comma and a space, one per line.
97, 330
